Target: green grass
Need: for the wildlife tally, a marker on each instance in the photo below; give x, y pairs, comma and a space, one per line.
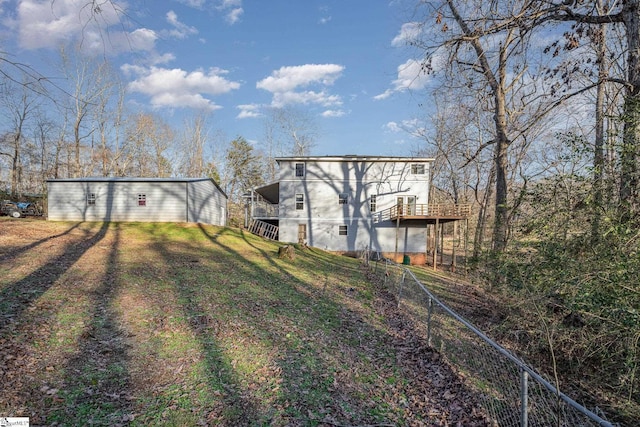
166, 324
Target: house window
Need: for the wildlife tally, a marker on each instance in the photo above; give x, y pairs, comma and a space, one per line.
300, 169
91, 199
417, 169
142, 200
299, 201
343, 198
373, 205
342, 230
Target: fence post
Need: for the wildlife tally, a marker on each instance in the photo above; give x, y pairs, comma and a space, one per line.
404, 274
429, 321
386, 271
524, 398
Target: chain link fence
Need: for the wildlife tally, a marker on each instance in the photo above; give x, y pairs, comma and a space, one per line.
512, 393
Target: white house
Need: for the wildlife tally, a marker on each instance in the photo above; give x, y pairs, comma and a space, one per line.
198, 200
351, 203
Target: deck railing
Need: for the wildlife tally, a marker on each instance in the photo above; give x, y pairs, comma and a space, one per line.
262, 208
441, 210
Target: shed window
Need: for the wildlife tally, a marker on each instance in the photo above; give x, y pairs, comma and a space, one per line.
299, 201
343, 198
417, 169
91, 199
300, 169
343, 230
373, 203
142, 200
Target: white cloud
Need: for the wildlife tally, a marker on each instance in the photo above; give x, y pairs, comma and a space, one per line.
289, 78
180, 30
392, 127
333, 113
412, 127
384, 95
282, 99
232, 9
285, 83
234, 15
178, 88
408, 32
225, 4
411, 76
165, 58
47, 24
249, 111
197, 4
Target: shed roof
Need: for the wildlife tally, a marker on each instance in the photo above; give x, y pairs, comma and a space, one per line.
135, 179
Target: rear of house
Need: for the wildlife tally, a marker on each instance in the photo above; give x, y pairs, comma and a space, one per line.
337, 202
198, 200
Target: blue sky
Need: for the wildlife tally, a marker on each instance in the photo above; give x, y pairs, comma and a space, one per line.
340, 61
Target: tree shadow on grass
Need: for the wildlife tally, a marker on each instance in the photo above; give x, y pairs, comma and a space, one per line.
340, 366
18, 296
317, 339
231, 405
15, 252
97, 381
16, 332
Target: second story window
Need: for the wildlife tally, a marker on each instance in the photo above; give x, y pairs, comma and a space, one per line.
142, 200
300, 169
417, 169
299, 201
91, 199
373, 203
343, 198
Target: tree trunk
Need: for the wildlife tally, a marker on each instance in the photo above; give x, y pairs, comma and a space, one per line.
631, 133
501, 228
15, 161
478, 239
598, 146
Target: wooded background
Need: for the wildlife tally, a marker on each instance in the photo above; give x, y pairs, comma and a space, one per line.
536, 124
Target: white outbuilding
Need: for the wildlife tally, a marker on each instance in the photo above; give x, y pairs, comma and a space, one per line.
197, 200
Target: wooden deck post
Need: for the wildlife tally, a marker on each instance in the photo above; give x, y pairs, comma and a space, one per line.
395, 257
442, 244
453, 250
426, 243
435, 244
466, 240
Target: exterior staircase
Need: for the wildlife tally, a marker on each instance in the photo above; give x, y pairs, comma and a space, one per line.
263, 229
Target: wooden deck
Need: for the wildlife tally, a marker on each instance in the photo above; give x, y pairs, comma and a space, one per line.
430, 213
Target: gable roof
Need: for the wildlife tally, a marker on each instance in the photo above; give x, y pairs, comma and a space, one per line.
136, 179
351, 158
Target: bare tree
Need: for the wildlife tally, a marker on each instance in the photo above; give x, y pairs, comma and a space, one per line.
19, 104
191, 147
627, 15
289, 131
91, 82
148, 141
486, 45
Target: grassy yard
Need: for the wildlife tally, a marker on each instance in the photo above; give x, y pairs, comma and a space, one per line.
187, 325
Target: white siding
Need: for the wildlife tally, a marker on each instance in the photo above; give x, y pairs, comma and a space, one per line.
207, 204
118, 200
359, 179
